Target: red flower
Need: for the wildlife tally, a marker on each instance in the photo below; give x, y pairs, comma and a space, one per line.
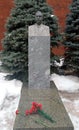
34, 103
35, 107
40, 106
27, 112
17, 112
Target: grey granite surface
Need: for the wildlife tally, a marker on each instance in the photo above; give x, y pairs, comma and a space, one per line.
52, 105
38, 56
39, 61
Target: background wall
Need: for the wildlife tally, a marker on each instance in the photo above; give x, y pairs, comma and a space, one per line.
5, 7
60, 9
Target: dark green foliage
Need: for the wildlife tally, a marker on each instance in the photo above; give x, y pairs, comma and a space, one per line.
72, 37
15, 42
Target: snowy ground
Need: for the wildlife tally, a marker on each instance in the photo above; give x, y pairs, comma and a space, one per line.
9, 99
68, 87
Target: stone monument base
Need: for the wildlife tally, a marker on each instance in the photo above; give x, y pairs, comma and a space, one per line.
52, 105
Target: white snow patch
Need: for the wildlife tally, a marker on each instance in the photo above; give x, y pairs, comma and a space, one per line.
52, 15
75, 121
65, 100
76, 103
3, 94
8, 88
66, 83
9, 100
59, 64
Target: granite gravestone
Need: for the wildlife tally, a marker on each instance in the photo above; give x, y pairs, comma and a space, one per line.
39, 74
38, 54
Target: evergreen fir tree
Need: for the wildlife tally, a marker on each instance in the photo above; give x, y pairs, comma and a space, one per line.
15, 42
72, 37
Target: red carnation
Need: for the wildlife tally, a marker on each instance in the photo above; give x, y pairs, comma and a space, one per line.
40, 106
27, 112
34, 108
37, 105
17, 112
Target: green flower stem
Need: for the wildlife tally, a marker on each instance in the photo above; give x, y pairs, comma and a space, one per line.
36, 121
45, 115
41, 122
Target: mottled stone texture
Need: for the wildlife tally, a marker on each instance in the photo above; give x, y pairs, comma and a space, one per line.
39, 57
52, 105
46, 94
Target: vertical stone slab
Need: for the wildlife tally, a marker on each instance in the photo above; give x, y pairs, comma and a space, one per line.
39, 57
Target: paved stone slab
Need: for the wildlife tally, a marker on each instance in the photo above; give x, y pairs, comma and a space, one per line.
52, 105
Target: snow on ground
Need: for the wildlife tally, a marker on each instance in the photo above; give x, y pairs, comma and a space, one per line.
9, 99
68, 87
66, 83
75, 121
